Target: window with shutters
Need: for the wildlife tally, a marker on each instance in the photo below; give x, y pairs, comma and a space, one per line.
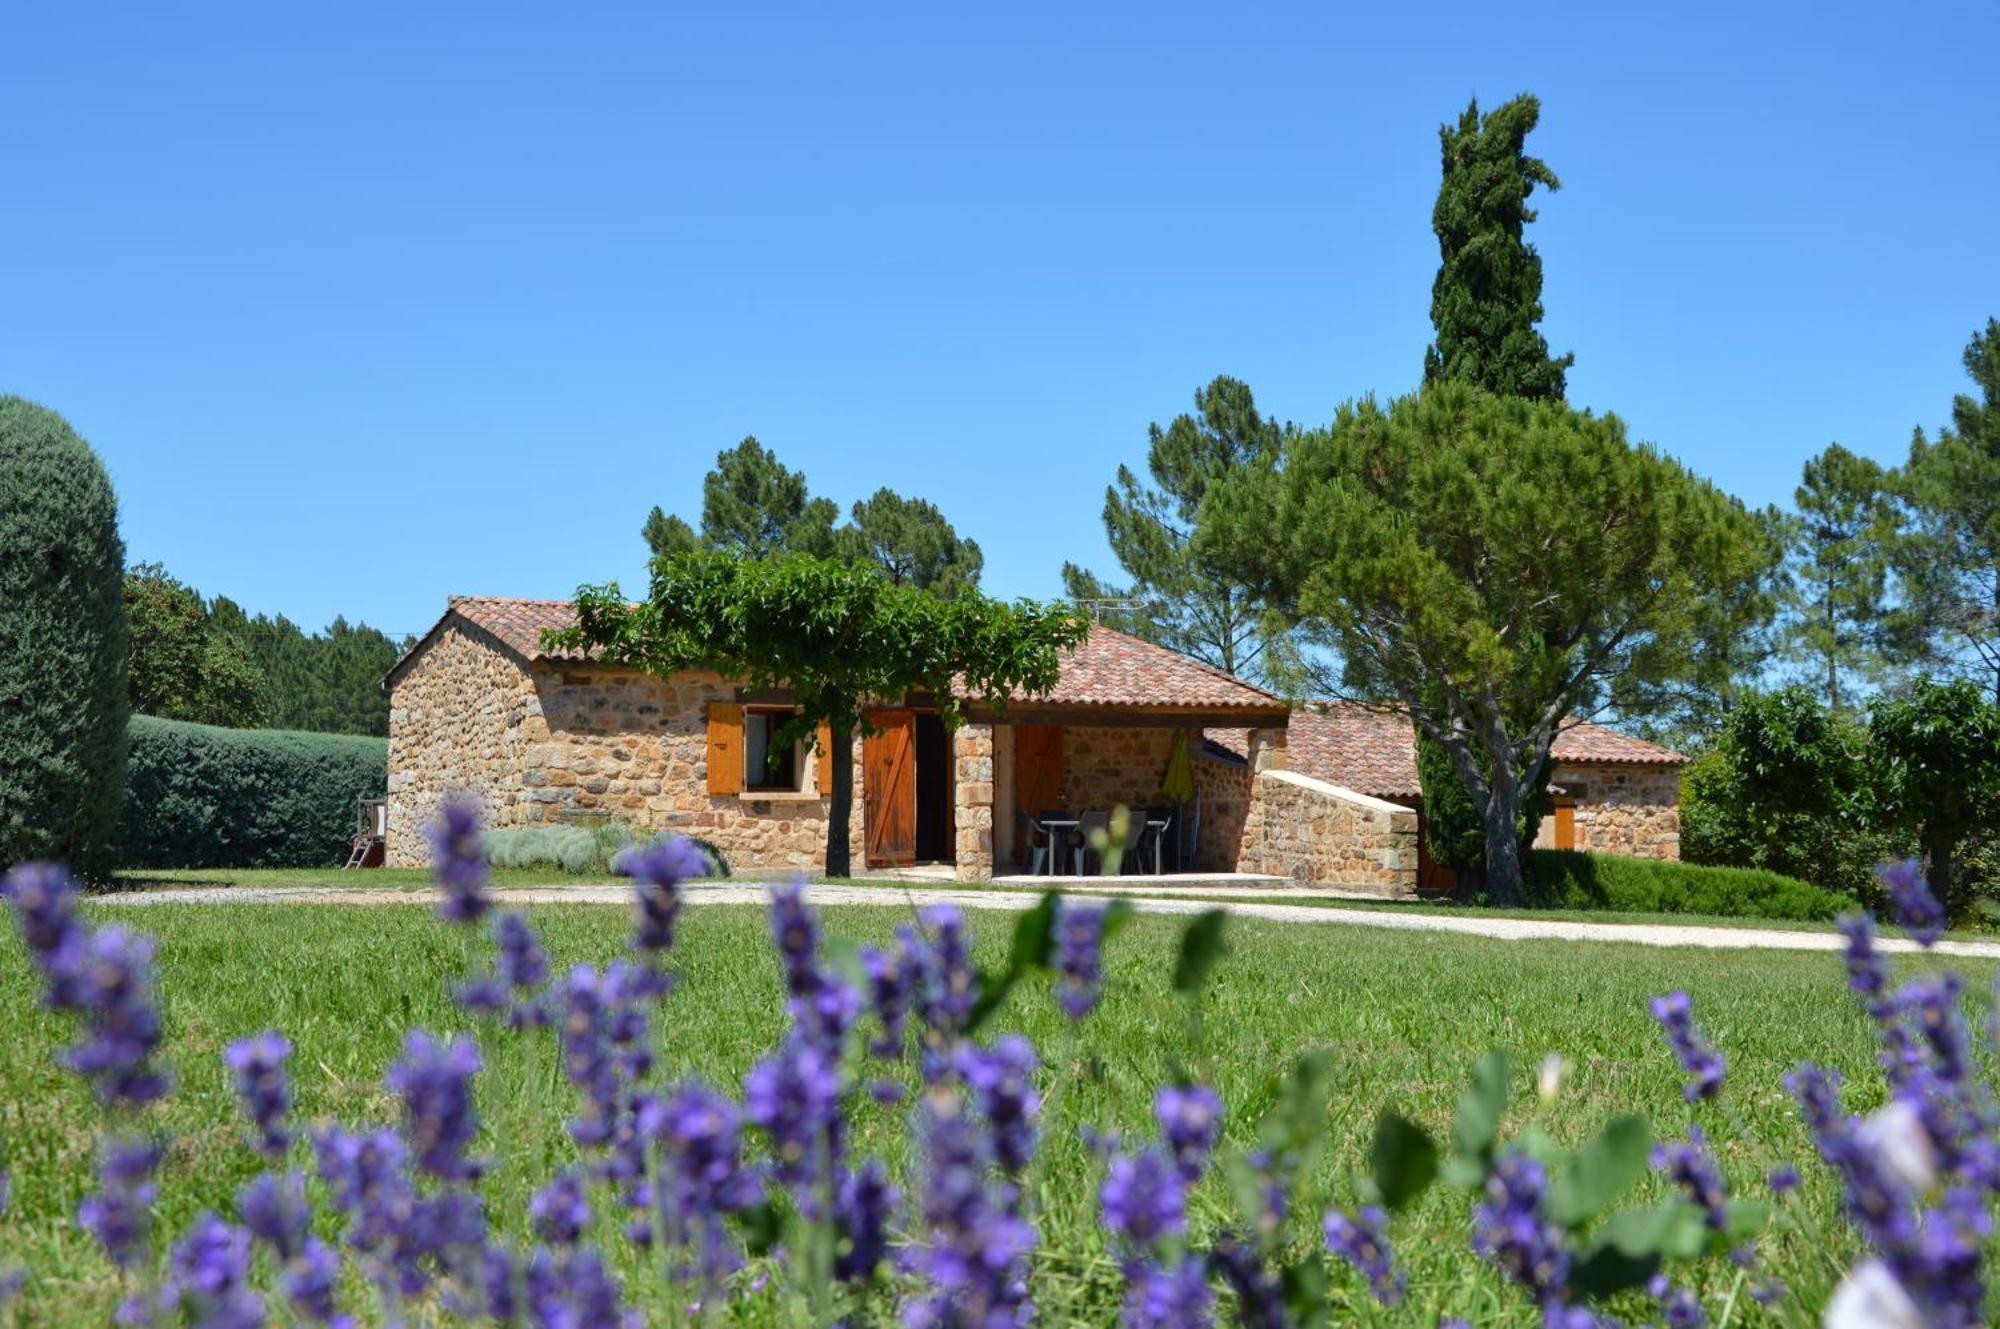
769, 766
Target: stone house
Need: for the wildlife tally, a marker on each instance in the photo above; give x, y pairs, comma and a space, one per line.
479, 708
1613, 793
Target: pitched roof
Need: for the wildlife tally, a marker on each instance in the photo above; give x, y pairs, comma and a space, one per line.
1112, 668
1108, 669
1375, 752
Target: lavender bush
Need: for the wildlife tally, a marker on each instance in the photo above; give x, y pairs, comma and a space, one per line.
758, 1202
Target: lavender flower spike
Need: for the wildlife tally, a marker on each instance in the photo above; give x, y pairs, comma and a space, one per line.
1363, 1241
1079, 958
119, 1214
1143, 1199
657, 871
259, 1066
1190, 1120
459, 860
434, 1081
1917, 909
1703, 1063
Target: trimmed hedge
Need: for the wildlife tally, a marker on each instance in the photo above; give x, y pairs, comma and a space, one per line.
1566, 879
197, 796
62, 644
577, 847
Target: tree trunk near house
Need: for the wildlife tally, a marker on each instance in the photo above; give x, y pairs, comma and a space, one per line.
1940, 868
840, 807
1503, 845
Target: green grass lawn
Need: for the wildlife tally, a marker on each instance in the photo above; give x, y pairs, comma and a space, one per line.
1403, 1013
331, 878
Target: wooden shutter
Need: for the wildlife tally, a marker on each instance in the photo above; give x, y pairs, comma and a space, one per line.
825, 777
1566, 824
725, 748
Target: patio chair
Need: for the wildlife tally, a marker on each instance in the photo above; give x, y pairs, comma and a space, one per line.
1091, 821
1135, 840
1040, 841
1164, 814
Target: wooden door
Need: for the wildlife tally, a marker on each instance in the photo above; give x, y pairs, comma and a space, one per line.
1038, 774
889, 789
1565, 823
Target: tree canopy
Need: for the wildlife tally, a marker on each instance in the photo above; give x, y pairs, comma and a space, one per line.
1936, 757
1177, 595
754, 506
183, 664
1837, 593
1487, 298
1949, 556
836, 634
1494, 564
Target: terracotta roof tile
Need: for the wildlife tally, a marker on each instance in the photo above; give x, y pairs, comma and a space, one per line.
1110, 668
1375, 753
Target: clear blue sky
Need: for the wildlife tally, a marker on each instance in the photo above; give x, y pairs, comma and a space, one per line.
368, 305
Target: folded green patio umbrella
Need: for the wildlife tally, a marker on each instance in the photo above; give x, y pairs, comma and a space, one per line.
1178, 783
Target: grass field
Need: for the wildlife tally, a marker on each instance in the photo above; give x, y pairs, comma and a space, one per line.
1403, 1013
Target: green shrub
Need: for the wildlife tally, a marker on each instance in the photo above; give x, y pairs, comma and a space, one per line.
62, 645
202, 797
1566, 879
580, 847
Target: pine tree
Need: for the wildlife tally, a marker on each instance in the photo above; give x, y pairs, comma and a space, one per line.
1949, 557
1178, 595
1487, 299
1838, 622
913, 544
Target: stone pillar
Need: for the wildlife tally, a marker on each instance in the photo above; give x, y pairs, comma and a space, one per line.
973, 800
1267, 750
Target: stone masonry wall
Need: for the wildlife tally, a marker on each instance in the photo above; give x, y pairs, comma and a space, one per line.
545, 742
1630, 810
1104, 766
1312, 831
1224, 786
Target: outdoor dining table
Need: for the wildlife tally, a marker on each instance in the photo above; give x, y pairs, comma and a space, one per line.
1057, 828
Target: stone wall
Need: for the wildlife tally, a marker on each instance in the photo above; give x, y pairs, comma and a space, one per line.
1224, 786
1104, 766
1630, 810
1315, 832
546, 742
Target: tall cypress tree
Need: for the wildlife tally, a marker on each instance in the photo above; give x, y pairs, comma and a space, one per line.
1485, 304
1487, 298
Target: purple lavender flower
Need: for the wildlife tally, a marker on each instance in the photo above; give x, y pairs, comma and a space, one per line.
521, 975
794, 1096
1002, 1080
273, 1209
262, 1085
1691, 1166
1510, 1229
1143, 1199
559, 1212
458, 858
1167, 1298
702, 1175
1079, 958
577, 1292
1867, 969
111, 986
1917, 909
973, 1256
118, 1215
950, 986
1783, 1180
1190, 1118
43, 898
889, 995
862, 1211
434, 1081
796, 933
368, 1182
309, 1284
208, 1278
657, 871
1680, 1308
1363, 1241
1703, 1063
1260, 1297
